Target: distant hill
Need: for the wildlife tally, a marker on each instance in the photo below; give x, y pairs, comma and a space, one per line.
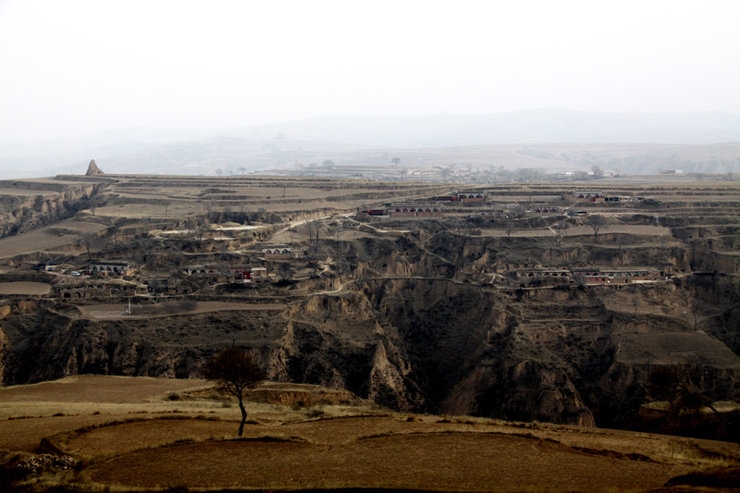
521, 127
631, 143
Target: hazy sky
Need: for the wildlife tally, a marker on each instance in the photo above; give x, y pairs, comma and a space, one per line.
75, 67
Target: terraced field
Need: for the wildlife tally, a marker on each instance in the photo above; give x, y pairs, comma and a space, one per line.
139, 444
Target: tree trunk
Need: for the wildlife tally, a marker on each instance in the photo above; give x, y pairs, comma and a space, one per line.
244, 416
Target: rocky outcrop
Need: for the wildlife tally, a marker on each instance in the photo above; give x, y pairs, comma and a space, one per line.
388, 382
93, 170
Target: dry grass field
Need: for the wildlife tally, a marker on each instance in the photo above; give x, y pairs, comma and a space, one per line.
143, 434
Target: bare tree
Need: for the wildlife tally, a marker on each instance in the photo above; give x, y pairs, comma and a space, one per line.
396, 161
236, 371
694, 303
92, 241
596, 223
93, 203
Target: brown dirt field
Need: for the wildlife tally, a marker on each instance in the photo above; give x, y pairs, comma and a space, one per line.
25, 288
428, 461
672, 348
133, 443
380, 452
75, 226
29, 413
111, 311
145, 210
97, 388
579, 231
33, 241
121, 438
47, 238
25, 434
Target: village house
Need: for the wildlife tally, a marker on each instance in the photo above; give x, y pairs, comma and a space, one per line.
470, 197
593, 276
415, 211
92, 289
546, 277
277, 252
108, 268
258, 273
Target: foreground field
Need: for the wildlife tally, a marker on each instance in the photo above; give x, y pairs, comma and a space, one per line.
157, 434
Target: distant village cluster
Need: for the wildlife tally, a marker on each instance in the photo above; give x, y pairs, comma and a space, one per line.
271, 263
444, 173
585, 276
437, 205
101, 279
123, 280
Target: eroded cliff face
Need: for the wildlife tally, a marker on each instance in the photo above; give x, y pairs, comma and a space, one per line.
389, 383
33, 211
5, 310
403, 327
528, 390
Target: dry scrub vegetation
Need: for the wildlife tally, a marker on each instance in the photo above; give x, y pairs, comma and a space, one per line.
91, 433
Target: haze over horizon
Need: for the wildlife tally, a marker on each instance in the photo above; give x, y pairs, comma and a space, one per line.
77, 67
83, 71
